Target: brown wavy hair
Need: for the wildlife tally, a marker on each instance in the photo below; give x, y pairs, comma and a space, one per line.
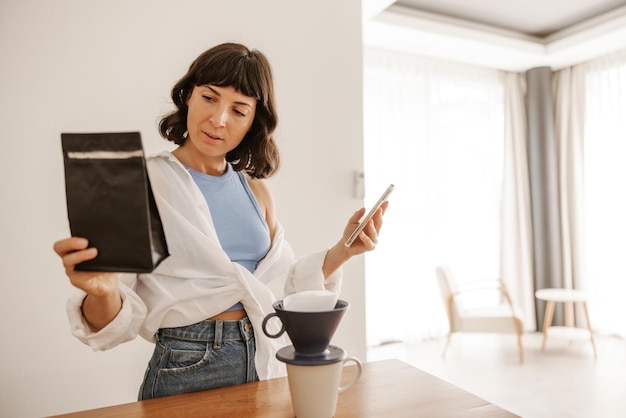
248, 72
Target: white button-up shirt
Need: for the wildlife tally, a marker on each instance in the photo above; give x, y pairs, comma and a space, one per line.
198, 280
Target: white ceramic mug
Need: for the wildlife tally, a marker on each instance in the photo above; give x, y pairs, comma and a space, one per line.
310, 301
314, 389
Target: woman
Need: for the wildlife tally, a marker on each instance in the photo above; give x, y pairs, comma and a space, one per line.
203, 305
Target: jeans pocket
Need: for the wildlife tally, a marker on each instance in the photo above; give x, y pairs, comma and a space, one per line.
183, 356
183, 371
180, 361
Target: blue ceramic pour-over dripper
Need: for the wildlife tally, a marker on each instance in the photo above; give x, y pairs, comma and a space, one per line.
309, 332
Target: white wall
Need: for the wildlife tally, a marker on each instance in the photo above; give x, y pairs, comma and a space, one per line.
86, 65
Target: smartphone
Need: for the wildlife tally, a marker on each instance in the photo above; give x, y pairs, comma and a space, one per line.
369, 216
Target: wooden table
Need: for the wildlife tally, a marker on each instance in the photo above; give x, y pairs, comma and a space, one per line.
569, 331
387, 388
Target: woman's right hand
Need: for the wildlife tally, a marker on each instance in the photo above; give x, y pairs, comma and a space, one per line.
103, 301
75, 250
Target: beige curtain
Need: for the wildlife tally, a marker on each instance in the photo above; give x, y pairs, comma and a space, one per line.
516, 264
569, 125
568, 87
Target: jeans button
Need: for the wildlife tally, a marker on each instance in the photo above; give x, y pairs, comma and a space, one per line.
247, 327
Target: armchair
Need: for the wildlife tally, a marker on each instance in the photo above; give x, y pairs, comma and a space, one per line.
499, 318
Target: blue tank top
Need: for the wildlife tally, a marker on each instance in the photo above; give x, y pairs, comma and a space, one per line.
240, 225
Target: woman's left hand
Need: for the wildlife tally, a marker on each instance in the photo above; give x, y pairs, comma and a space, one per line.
368, 238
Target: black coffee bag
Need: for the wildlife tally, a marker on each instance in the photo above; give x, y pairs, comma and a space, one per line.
110, 201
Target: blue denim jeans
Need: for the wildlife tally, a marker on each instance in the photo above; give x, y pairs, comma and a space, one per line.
206, 355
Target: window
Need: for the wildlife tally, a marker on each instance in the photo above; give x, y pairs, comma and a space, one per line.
435, 129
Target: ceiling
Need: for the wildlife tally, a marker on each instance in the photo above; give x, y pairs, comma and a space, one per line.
511, 35
538, 18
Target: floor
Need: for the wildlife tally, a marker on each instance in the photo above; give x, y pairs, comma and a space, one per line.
563, 381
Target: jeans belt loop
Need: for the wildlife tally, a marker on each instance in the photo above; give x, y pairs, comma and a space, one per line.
219, 327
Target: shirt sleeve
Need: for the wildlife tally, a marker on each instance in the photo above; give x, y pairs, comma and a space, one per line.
123, 328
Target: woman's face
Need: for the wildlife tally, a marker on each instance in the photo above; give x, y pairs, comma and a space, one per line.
218, 119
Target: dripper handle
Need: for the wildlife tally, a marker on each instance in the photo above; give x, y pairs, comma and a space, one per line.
267, 318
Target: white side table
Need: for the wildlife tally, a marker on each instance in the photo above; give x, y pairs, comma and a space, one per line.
569, 331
